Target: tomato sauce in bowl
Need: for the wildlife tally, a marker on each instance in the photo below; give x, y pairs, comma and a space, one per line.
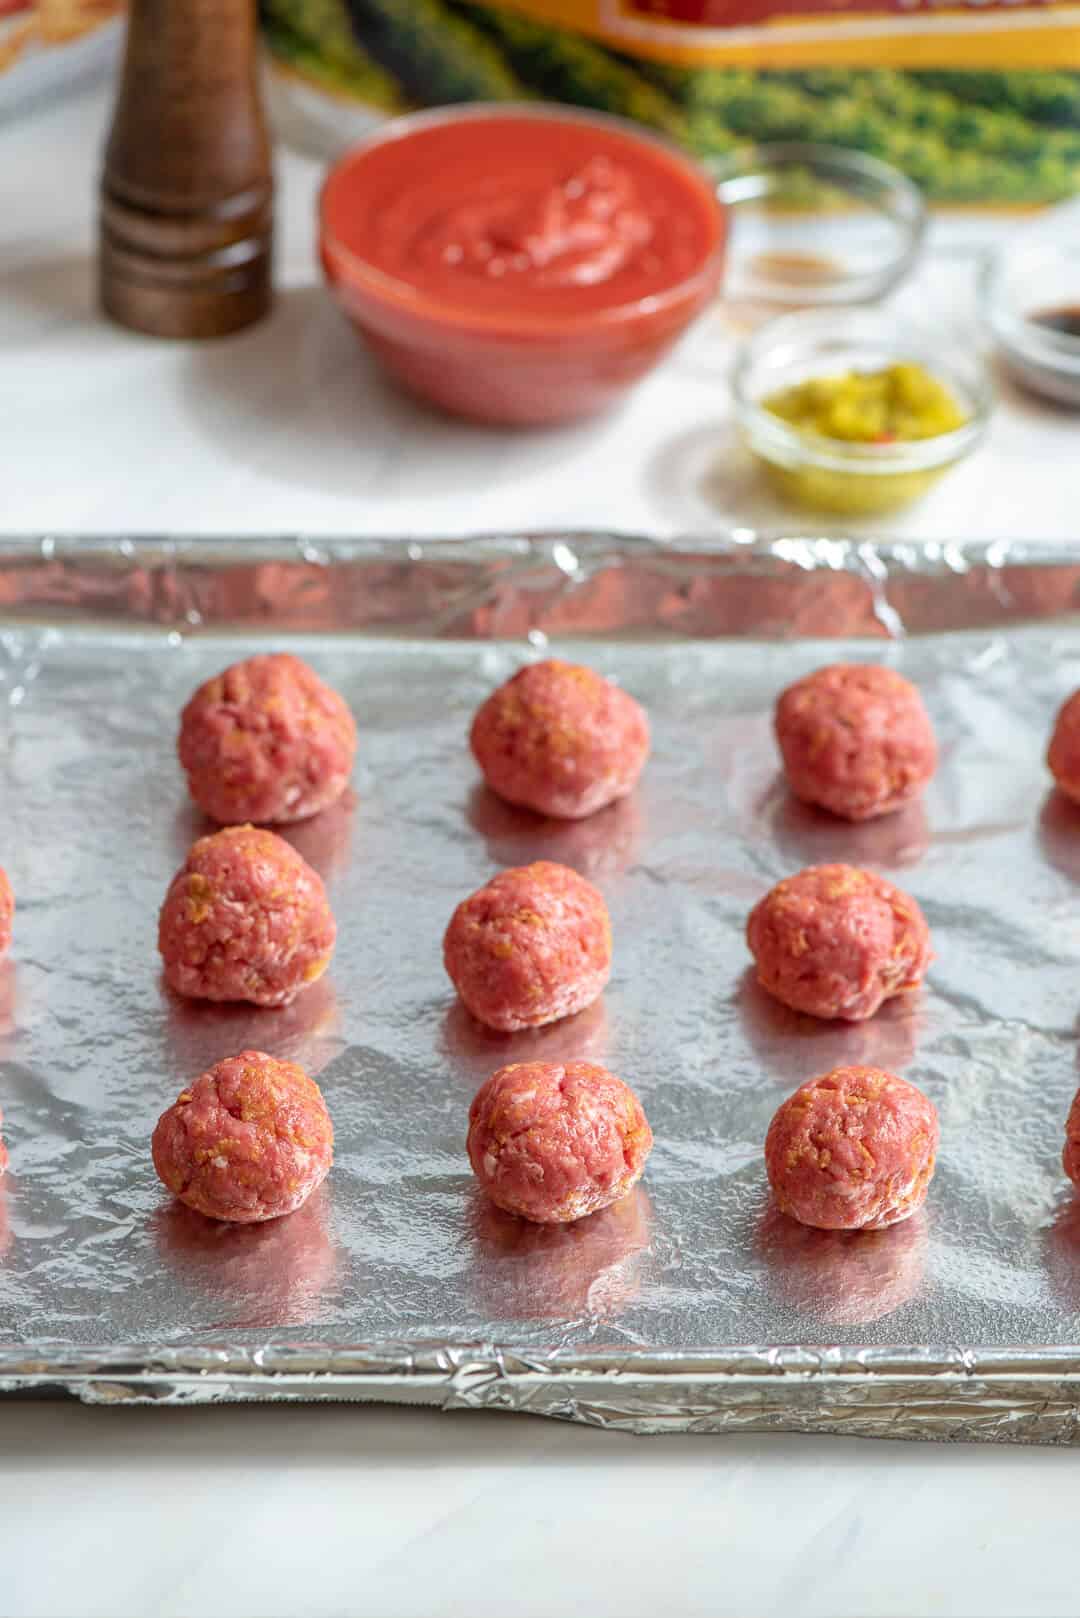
517, 264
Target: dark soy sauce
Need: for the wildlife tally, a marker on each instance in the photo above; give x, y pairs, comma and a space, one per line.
1065, 322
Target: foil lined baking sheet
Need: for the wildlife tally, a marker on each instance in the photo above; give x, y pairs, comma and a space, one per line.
691, 1305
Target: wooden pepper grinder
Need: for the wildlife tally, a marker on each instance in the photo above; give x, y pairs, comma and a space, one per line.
187, 194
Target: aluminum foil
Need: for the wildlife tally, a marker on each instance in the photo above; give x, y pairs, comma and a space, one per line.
692, 1305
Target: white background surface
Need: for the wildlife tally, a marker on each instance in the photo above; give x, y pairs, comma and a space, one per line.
323, 1511
287, 427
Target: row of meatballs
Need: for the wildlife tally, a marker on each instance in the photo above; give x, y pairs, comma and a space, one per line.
247, 919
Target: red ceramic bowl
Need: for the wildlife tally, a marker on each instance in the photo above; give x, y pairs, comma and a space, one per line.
519, 264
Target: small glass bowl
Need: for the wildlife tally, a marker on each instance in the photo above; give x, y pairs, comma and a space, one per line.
1038, 275
829, 474
816, 226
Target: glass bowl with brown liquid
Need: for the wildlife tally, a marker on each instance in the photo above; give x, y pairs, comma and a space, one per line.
816, 227
1030, 298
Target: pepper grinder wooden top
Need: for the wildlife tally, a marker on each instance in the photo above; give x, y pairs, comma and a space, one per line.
187, 194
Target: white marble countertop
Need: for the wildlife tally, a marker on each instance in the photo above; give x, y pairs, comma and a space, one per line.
323, 1511
346, 1512
287, 427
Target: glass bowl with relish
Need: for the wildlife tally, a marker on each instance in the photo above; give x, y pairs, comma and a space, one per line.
1030, 297
849, 412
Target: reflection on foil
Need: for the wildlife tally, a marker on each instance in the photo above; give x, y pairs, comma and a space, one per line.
814, 837
842, 1277
786, 602
1062, 1247
793, 1047
325, 839
560, 1272
480, 1051
7, 1189
510, 585
307, 1031
599, 846
1059, 833
8, 996
251, 1276
189, 824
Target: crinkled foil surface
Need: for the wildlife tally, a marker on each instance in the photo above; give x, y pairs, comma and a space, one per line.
690, 1306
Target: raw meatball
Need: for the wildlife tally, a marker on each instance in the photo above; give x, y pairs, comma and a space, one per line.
554, 1143
853, 1150
835, 941
245, 918
249, 1140
531, 946
855, 739
1063, 755
266, 741
560, 739
7, 913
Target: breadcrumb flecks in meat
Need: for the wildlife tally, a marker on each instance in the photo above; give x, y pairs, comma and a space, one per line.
855, 739
249, 1140
266, 741
835, 941
245, 918
531, 946
553, 1143
852, 1150
560, 739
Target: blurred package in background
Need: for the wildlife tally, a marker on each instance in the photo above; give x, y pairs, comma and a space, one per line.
979, 103
48, 45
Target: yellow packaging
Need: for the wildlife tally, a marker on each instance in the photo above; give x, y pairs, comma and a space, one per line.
978, 102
